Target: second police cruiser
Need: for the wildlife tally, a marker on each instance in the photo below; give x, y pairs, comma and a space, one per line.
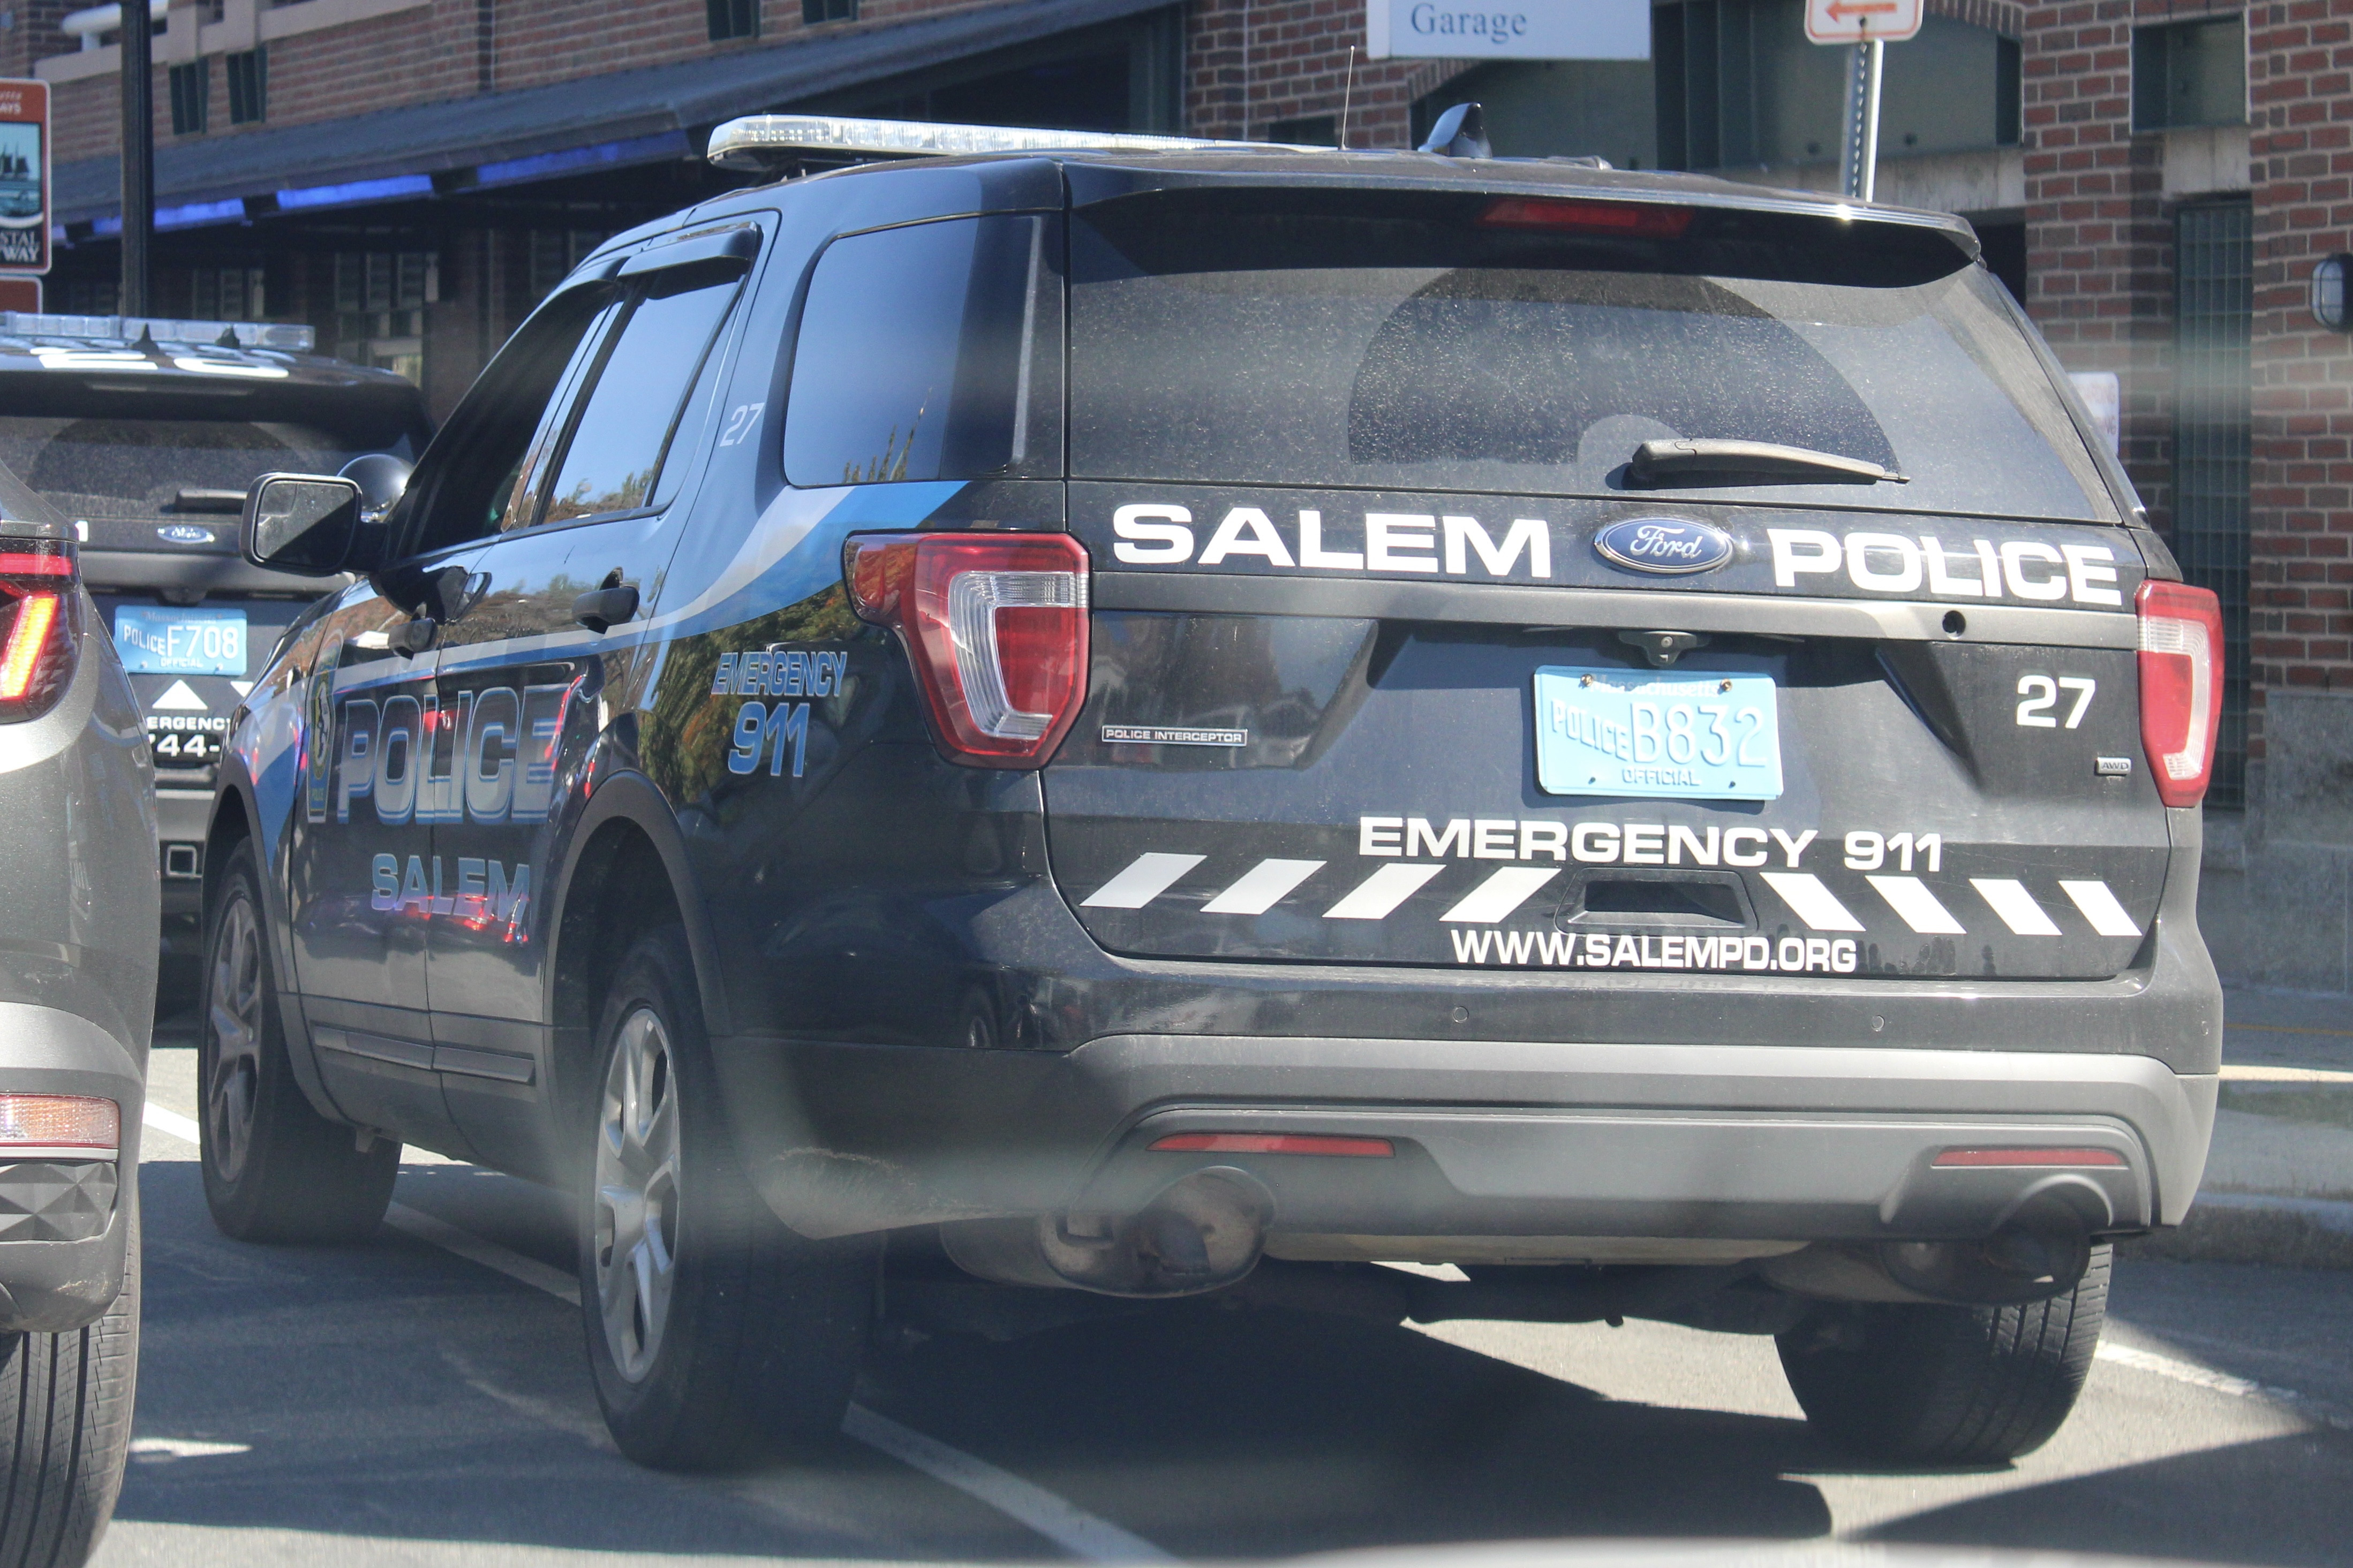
1150, 719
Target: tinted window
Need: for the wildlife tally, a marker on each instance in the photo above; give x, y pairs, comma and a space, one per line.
1289, 350
616, 447
930, 353
139, 468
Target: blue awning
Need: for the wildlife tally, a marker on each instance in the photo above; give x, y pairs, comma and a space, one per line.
571, 127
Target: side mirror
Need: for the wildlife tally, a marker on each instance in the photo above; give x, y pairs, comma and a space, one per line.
383, 479
302, 523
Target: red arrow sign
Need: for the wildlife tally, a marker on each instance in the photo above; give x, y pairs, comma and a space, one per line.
1839, 10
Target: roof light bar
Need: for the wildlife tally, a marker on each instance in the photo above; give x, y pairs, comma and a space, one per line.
758, 143
283, 335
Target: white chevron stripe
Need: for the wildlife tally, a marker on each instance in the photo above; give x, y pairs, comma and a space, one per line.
1261, 887
1910, 896
2100, 908
1146, 880
1500, 894
1385, 889
1816, 905
2015, 905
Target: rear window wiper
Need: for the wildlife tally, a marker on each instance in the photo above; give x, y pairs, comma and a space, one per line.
1661, 464
208, 500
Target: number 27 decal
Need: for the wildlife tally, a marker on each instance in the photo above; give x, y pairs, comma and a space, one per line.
2042, 695
739, 422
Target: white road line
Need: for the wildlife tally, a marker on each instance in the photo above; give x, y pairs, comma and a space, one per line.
1147, 878
2205, 1377
2100, 908
1064, 1523
2015, 905
1910, 898
1082, 1535
1815, 904
1384, 890
1262, 887
1500, 894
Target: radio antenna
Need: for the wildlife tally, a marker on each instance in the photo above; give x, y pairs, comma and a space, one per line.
1347, 91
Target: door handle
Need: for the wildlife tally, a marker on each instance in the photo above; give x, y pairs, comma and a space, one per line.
600, 608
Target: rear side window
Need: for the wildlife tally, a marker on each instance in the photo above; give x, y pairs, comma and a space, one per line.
1294, 349
932, 352
619, 443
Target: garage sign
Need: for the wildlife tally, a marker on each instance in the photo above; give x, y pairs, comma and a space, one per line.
1529, 30
24, 176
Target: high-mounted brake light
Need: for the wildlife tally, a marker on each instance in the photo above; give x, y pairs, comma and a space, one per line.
1273, 1143
39, 625
2027, 1159
2180, 687
1630, 220
996, 626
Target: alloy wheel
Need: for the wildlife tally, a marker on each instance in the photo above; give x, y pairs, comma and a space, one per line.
233, 1029
637, 1193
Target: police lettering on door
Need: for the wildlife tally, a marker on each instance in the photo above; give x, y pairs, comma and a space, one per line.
487, 757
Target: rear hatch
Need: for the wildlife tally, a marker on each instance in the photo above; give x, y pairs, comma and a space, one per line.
1404, 652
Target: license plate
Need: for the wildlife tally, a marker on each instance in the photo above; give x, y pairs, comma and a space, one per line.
1700, 735
161, 640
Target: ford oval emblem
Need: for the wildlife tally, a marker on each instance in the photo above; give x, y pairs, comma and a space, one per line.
184, 533
1665, 545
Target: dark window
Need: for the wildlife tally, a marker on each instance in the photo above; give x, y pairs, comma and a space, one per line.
1240, 348
134, 465
2213, 313
733, 19
816, 11
248, 87
192, 91
1308, 130
2009, 93
618, 446
930, 353
2190, 73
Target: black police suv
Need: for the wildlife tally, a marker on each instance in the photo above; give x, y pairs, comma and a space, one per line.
146, 434
1142, 719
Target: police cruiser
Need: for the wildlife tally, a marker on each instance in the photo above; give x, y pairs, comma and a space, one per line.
145, 434
1045, 719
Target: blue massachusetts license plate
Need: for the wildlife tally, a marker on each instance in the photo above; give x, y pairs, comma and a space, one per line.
1704, 735
161, 641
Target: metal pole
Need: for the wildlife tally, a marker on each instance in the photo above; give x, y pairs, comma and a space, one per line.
138, 158
1859, 152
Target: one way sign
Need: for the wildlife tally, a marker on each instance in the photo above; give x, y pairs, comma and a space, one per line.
1859, 21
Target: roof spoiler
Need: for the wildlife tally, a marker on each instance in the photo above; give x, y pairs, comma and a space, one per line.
774, 143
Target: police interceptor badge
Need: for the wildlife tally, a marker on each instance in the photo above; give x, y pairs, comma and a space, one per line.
1667, 546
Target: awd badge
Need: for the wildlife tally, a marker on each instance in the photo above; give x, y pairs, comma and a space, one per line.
1667, 546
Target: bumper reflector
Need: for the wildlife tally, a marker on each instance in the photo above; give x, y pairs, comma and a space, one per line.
1273, 1144
1952, 1158
60, 1121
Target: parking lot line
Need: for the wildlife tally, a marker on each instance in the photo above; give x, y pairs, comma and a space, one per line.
1083, 1535
2198, 1377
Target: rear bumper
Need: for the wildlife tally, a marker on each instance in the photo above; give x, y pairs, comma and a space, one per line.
1493, 1139
46, 1284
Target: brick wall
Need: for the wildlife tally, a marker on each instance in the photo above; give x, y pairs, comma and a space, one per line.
2301, 597
1250, 63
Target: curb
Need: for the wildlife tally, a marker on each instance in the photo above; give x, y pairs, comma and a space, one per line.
2254, 1228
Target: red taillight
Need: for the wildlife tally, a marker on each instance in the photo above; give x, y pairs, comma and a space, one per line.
2180, 687
38, 622
2014, 1158
1273, 1144
995, 625
1631, 220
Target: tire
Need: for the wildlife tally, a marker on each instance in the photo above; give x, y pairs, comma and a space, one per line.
274, 1169
714, 1334
1951, 1385
65, 1427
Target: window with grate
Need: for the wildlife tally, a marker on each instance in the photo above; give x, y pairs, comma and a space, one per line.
2190, 73
2213, 312
816, 11
380, 300
733, 19
192, 91
248, 85
227, 294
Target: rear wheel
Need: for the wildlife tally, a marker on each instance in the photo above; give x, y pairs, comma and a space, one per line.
65, 1427
275, 1170
1954, 1385
714, 1332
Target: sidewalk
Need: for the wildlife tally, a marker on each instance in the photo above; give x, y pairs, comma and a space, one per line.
2279, 1182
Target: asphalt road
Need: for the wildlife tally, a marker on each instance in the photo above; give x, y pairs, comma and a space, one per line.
399, 1403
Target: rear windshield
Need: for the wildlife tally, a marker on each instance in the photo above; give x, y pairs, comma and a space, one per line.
148, 468
1325, 353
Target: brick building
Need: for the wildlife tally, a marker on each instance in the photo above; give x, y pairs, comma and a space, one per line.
2155, 179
